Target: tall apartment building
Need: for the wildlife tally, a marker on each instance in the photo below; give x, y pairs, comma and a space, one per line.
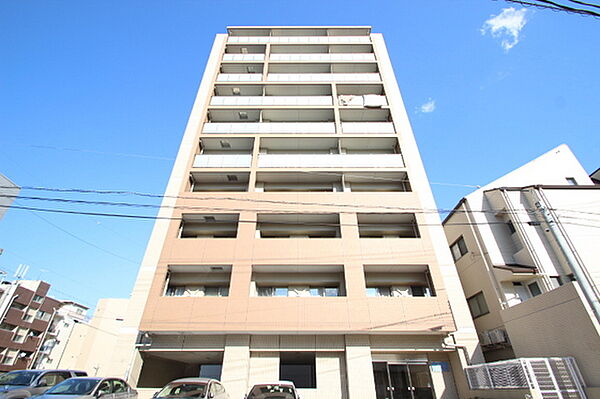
293, 243
25, 314
526, 250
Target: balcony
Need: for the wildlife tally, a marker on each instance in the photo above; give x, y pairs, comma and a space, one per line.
198, 281
387, 225
239, 77
332, 182
213, 225
300, 39
323, 77
297, 281
288, 225
243, 57
330, 153
210, 182
270, 128
398, 281
272, 100
224, 153
331, 57
240, 72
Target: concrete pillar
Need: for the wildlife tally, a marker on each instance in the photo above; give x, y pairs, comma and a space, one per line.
359, 367
236, 361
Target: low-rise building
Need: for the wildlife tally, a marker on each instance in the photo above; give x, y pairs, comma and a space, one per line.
526, 250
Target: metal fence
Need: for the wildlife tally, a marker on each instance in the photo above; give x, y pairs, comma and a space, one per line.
553, 378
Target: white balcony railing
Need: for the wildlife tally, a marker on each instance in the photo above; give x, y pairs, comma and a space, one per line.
323, 77
270, 127
243, 57
299, 39
239, 77
271, 100
368, 127
330, 161
328, 57
223, 161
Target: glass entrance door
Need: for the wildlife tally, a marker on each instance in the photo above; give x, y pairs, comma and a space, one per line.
402, 381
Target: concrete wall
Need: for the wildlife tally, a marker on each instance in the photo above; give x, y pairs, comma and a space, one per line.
558, 323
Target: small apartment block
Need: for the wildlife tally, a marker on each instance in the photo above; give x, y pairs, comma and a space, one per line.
292, 250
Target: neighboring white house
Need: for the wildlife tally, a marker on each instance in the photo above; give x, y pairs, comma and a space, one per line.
526, 250
58, 334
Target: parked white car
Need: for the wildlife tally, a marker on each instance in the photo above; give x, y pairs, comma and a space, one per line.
193, 388
273, 390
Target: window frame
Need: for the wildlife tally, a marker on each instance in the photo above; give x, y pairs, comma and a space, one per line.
456, 244
473, 297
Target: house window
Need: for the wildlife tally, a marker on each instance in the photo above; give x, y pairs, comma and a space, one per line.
298, 367
571, 181
511, 227
534, 288
38, 298
458, 249
477, 305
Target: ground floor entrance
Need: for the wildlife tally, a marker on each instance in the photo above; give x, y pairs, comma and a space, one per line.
402, 381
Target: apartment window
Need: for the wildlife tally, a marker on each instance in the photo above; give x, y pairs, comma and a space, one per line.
198, 280
511, 227
298, 281
534, 288
459, 248
298, 367
38, 298
477, 305
44, 316
17, 305
398, 281
9, 357
387, 225
7, 326
571, 181
217, 225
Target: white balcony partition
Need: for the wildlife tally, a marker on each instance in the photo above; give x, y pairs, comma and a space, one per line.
223, 161
330, 161
239, 77
368, 127
327, 57
270, 127
243, 57
323, 77
300, 39
271, 100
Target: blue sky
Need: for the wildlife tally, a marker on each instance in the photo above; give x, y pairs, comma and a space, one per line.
96, 95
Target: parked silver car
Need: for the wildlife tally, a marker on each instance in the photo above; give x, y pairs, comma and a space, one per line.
22, 384
193, 388
273, 390
90, 388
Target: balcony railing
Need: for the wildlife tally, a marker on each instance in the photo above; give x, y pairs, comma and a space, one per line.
323, 77
368, 127
299, 39
271, 100
328, 57
243, 57
239, 77
223, 161
330, 161
270, 127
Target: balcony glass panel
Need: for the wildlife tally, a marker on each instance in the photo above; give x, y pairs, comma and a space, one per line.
299, 39
223, 161
368, 127
323, 77
271, 100
243, 57
323, 57
330, 161
270, 127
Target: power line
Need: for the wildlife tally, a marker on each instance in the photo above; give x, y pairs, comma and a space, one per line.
556, 6
145, 217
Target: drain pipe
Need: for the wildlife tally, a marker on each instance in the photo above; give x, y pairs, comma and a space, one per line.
567, 251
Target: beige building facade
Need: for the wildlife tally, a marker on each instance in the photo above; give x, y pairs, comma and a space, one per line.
525, 248
292, 241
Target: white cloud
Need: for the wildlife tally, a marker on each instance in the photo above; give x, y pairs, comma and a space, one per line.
506, 26
428, 107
